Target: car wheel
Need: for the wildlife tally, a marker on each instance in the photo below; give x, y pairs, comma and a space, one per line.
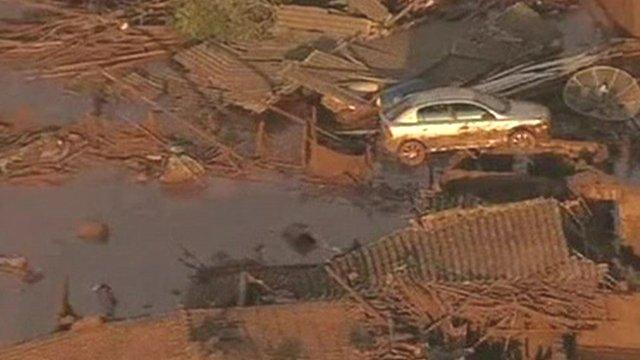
522, 139
412, 153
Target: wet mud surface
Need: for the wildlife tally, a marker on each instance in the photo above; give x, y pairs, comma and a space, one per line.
118, 239
148, 228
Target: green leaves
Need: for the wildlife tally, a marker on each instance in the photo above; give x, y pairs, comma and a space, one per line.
224, 19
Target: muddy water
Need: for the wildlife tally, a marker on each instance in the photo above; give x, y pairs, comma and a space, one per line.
147, 229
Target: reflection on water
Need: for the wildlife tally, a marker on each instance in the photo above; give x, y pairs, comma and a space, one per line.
147, 232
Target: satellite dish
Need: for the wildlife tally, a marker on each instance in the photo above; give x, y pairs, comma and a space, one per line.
603, 92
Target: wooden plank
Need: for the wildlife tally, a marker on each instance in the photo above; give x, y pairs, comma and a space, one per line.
373, 9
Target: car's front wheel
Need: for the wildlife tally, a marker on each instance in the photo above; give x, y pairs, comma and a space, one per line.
412, 153
522, 139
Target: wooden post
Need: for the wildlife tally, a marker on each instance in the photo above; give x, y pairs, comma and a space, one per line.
242, 289
261, 150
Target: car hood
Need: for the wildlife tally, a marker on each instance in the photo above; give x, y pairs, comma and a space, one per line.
526, 109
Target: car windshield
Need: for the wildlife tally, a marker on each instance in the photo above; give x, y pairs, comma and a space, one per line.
498, 104
400, 91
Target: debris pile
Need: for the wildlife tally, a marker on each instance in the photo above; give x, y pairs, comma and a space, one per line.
50, 155
19, 267
504, 272
67, 42
212, 66
529, 79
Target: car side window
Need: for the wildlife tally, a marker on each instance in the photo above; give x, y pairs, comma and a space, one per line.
435, 113
470, 112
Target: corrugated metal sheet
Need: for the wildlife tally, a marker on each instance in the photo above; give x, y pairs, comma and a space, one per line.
332, 68
499, 242
213, 65
322, 60
309, 18
322, 86
373, 9
275, 48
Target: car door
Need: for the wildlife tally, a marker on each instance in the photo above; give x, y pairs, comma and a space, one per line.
437, 121
475, 119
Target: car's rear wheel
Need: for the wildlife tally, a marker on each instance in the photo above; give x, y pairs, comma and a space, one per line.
412, 153
522, 139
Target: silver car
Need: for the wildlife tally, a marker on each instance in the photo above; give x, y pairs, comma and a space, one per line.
446, 119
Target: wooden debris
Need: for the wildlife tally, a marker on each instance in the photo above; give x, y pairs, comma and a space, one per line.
372, 9
534, 76
347, 100
213, 65
75, 42
309, 18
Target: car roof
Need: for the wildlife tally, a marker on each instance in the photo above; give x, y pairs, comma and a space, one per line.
444, 94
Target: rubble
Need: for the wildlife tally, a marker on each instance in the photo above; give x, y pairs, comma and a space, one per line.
466, 274
74, 42
335, 98
93, 231
19, 266
535, 77
597, 186
213, 65
180, 169
52, 155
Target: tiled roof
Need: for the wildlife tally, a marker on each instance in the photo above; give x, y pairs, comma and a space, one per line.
498, 242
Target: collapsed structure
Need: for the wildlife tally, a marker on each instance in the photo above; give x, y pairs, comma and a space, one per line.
487, 274
499, 270
456, 281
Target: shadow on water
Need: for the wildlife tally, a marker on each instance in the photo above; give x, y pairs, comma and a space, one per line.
506, 178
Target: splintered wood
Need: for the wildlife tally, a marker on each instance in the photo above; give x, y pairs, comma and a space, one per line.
504, 272
52, 155
66, 42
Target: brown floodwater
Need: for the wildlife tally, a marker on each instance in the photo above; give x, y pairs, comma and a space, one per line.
148, 225
148, 228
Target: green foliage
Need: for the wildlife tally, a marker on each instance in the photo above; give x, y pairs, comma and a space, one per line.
224, 19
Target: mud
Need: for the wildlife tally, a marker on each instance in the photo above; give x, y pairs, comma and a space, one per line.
140, 262
179, 222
